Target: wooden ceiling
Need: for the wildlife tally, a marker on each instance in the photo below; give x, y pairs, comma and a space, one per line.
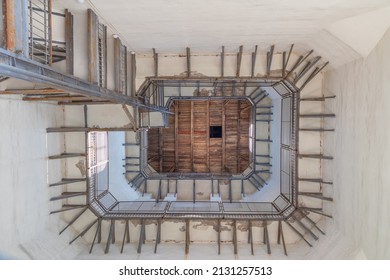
186, 147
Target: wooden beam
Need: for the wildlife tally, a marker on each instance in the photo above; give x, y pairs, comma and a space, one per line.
306, 228
208, 134
239, 59
188, 62
57, 98
67, 208
317, 195
222, 61
130, 117
69, 39
93, 55
312, 222
299, 61
15, 26
313, 74
44, 91
67, 155
316, 211
66, 195
254, 56
176, 136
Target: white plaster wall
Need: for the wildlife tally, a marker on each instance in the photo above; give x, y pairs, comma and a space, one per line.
361, 146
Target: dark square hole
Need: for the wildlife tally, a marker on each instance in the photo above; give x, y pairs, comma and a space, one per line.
215, 131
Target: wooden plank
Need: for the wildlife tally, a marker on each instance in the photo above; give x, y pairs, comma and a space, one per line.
93, 56
69, 39
10, 32
44, 91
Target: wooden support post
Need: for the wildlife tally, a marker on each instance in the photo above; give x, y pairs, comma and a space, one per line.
98, 229
239, 59
235, 237
158, 235
155, 58
84, 231
187, 241
69, 39
222, 61
254, 56
188, 62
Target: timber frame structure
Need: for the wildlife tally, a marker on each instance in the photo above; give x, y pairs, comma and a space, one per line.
17, 61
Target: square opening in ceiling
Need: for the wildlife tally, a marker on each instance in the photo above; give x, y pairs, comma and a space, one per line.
215, 131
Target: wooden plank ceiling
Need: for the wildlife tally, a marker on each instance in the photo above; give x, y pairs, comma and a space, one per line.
186, 147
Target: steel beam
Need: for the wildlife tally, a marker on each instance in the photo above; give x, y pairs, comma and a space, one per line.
235, 237
98, 229
109, 239
254, 56
187, 239
84, 231
188, 52
298, 233
223, 61
74, 219
239, 59
17, 66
